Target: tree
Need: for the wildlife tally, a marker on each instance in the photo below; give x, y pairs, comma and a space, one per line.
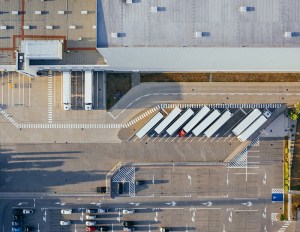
293, 115
297, 108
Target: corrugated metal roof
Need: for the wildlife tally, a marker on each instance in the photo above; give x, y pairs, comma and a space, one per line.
176, 21
203, 59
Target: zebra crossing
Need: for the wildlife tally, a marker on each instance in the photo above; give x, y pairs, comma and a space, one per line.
225, 106
277, 190
145, 114
50, 98
8, 117
58, 126
240, 161
274, 217
69, 126
285, 226
126, 174
254, 143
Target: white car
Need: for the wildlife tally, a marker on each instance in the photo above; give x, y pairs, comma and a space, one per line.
90, 223
128, 211
90, 217
66, 211
102, 210
65, 223
27, 211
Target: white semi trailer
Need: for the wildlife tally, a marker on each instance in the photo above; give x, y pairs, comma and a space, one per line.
196, 119
180, 121
67, 90
149, 125
88, 90
206, 122
217, 124
252, 128
174, 113
246, 122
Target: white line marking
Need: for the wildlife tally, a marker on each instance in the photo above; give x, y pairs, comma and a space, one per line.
243, 173
250, 210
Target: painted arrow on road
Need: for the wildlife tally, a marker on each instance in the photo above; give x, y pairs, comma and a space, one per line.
172, 203
135, 204
96, 203
249, 203
58, 203
230, 217
22, 203
265, 212
209, 203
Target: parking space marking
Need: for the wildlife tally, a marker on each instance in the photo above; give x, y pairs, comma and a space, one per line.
246, 210
244, 173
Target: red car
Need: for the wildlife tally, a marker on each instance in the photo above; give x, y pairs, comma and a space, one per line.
90, 228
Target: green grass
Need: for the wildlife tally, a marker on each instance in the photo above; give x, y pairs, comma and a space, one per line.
117, 84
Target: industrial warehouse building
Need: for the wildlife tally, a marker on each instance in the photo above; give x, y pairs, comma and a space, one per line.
199, 35
187, 36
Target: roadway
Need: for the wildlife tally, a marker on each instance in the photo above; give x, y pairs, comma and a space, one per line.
30, 113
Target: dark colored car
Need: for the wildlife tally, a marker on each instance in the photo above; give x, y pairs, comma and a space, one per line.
139, 182
103, 228
16, 224
120, 187
101, 189
91, 211
164, 229
18, 217
16, 229
17, 211
29, 228
128, 223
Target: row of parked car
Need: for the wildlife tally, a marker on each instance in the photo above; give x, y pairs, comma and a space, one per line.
91, 214
18, 220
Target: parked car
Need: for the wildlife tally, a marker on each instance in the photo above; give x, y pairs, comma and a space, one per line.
128, 211
66, 211
16, 229
90, 223
65, 223
120, 188
128, 223
102, 228
164, 229
29, 228
91, 211
101, 189
128, 229
102, 210
90, 228
89, 217
16, 224
139, 182
27, 211
18, 217
17, 211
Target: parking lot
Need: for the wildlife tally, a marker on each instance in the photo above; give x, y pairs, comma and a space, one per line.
224, 133
236, 196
